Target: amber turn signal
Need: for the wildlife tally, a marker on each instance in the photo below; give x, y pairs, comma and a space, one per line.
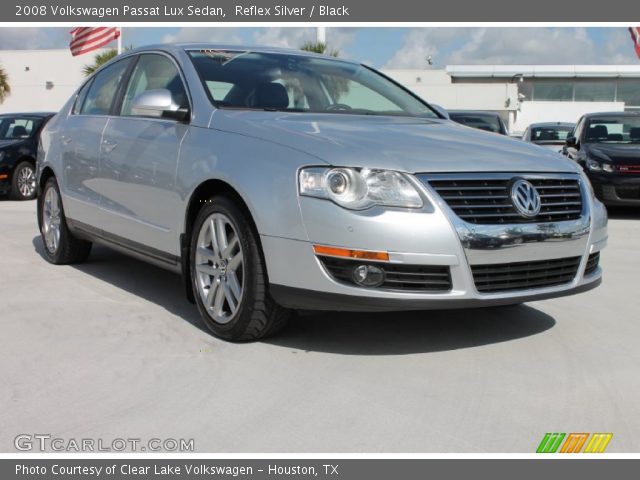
348, 253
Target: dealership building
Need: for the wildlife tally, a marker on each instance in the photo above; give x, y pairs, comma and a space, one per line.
42, 80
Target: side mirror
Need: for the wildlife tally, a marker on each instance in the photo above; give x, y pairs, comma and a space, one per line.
571, 142
158, 103
441, 111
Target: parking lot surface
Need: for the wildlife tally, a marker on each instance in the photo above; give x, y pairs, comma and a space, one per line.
112, 349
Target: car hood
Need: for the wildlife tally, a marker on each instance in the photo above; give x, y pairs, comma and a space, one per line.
395, 143
617, 153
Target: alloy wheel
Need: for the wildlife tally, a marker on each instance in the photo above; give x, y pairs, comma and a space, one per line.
26, 181
219, 268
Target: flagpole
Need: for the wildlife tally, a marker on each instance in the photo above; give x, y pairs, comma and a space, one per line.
120, 42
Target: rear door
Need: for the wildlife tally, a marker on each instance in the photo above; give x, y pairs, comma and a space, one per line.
80, 143
139, 160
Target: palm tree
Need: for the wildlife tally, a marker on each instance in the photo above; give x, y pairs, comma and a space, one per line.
99, 60
5, 89
320, 47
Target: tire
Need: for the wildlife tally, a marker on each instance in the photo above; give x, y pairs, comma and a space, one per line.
61, 247
234, 268
23, 182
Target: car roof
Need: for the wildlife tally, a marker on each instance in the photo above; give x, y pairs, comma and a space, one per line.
552, 124
184, 46
605, 114
28, 114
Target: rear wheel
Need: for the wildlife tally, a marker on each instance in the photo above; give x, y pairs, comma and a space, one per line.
60, 245
23, 182
229, 276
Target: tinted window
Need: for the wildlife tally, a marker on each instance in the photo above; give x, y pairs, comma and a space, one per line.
300, 83
629, 92
103, 89
82, 94
595, 92
613, 129
152, 72
550, 134
18, 127
556, 91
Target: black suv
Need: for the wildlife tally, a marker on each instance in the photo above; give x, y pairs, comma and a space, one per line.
19, 134
607, 146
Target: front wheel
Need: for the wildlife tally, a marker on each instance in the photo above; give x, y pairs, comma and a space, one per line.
229, 277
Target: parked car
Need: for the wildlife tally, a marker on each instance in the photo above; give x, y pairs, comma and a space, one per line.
18, 145
607, 147
551, 135
277, 179
487, 121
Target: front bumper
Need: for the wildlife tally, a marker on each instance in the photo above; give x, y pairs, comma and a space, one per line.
616, 189
434, 236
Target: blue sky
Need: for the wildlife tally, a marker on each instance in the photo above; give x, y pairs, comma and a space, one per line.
392, 47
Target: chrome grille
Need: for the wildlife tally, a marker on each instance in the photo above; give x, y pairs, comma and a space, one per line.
504, 277
486, 199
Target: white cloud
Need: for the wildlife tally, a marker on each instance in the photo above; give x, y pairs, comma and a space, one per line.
618, 47
527, 46
295, 37
23, 38
204, 34
420, 43
509, 46
288, 37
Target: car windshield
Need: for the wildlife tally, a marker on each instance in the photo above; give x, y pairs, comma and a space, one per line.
490, 123
550, 134
614, 129
14, 128
298, 83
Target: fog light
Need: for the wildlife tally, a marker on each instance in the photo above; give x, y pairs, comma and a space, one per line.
368, 275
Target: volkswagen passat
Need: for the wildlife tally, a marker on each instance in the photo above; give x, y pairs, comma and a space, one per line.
276, 180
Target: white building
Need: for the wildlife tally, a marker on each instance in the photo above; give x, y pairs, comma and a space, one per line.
525, 94
41, 80
44, 79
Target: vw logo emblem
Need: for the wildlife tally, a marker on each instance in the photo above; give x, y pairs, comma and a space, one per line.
525, 198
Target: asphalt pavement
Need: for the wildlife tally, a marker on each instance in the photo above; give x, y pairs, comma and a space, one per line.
112, 349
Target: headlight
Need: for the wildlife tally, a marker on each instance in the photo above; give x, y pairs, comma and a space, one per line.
358, 189
593, 165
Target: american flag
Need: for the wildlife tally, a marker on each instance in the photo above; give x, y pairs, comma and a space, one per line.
635, 36
87, 39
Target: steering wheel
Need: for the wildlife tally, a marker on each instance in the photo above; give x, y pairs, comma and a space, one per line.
338, 106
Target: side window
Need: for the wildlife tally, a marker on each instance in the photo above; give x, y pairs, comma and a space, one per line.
82, 94
154, 71
103, 89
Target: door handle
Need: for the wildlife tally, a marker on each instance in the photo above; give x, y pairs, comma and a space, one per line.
108, 146
65, 140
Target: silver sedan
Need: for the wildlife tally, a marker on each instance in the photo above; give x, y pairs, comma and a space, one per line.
276, 180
